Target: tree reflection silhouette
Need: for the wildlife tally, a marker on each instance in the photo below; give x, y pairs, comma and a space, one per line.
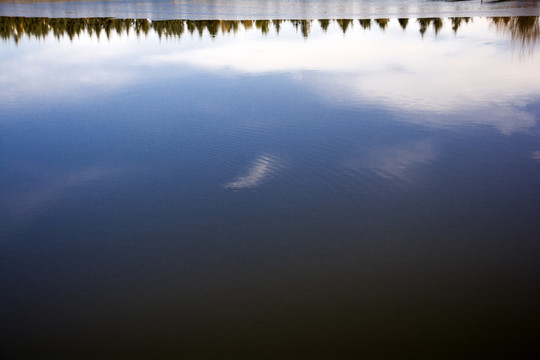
168, 28
263, 25
324, 24
213, 27
403, 22
228, 26
383, 23
457, 21
199, 25
141, 26
365, 23
248, 24
277, 25
523, 30
190, 24
344, 24
424, 24
437, 25
304, 25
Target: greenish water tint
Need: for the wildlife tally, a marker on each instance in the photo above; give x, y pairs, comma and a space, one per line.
330, 188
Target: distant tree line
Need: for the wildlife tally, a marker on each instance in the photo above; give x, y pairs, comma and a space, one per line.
525, 29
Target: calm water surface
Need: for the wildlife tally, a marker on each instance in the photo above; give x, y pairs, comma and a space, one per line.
266, 9
281, 189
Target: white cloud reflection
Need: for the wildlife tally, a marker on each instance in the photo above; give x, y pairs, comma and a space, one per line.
449, 80
259, 171
397, 162
473, 73
50, 189
63, 71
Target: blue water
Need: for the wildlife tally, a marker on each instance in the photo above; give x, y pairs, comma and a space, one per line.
369, 192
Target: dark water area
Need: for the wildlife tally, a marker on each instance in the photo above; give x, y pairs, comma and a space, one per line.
330, 188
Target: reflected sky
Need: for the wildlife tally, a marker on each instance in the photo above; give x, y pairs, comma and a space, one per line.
452, 73
280, 189
395, 162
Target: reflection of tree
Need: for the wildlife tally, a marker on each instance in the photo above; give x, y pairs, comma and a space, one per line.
324, 24
248, 24
199, 25
16, 27
305, 26
170, 28
213, 27
344, 24
457, 21
425, 22
141, 25
190, 24
277, 24
403, 23
94, 27
524, 30
229, 25
263, 25
383, 23
437, 25
365, 23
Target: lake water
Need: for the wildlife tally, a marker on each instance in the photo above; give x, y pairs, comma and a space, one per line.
206, 188
267, 9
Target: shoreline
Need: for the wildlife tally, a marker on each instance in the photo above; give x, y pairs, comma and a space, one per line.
265, 9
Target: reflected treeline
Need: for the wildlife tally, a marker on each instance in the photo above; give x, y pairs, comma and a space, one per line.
525, 29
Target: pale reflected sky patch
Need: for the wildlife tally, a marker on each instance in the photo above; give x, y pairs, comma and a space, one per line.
470, 77
259, 171
61, 71
49, 190
395, 162
472, 72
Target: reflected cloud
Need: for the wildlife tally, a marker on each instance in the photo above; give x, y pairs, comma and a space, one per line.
535, 155
446, 83
64, 71
50, 189
441, 79
259, 171
396, 162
